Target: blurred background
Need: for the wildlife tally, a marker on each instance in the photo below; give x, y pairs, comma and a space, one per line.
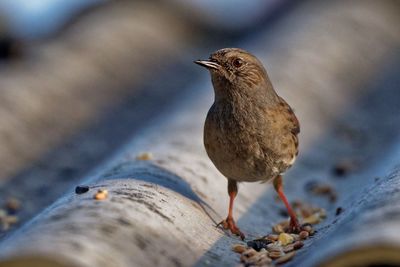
79, 78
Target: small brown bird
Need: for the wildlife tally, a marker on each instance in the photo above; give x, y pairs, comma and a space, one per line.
250, 133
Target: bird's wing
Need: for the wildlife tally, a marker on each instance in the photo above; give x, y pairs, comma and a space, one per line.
280, 142
292, 121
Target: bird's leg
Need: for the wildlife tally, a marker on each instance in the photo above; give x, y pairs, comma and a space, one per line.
229, 223
278, 185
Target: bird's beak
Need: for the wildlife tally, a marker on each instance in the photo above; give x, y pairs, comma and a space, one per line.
207, 64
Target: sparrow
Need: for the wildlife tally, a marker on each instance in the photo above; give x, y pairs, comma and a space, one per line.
250, 132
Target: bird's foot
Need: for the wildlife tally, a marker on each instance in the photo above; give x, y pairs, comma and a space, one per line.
230, 224
294, 226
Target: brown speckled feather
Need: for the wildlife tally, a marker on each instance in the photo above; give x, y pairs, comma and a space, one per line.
250, 133
247, 149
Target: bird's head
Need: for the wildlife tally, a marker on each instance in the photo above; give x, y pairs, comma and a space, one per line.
234, 69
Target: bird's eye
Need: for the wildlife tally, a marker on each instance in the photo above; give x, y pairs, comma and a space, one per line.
237, 62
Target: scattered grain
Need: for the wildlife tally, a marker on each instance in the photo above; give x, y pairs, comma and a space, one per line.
145, 156
272, 237
298, 245
285, 258
276, 254
250, 252
264, 260
275, 247
296, 237
259, 244
284, 224
281, 245
239, 248
313, 219
304, 235
288, 248
101, 194
285, 239
256, 259
307, 227
277, 229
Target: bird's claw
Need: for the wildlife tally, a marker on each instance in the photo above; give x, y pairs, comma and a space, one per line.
294, 226
230, 224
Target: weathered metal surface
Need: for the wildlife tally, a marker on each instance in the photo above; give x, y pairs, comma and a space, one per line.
343, 86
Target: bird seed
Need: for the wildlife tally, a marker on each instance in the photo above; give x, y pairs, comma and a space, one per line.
101, 194
285, 239
285, 258
145, 156
304, 235
239, 248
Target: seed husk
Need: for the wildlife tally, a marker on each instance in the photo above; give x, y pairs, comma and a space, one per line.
298, 245
264, 261
284, 224
277, 229
272, 237
275, 254
249, 256
288, 248
264, 258
285, 239
285, 258
304, 234
307, 227
251, 260
313, 219
274, 247
296, 237
249, 253
306, 212
257, 259
239, 248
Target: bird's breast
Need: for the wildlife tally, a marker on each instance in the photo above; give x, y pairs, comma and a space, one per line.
232, 141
